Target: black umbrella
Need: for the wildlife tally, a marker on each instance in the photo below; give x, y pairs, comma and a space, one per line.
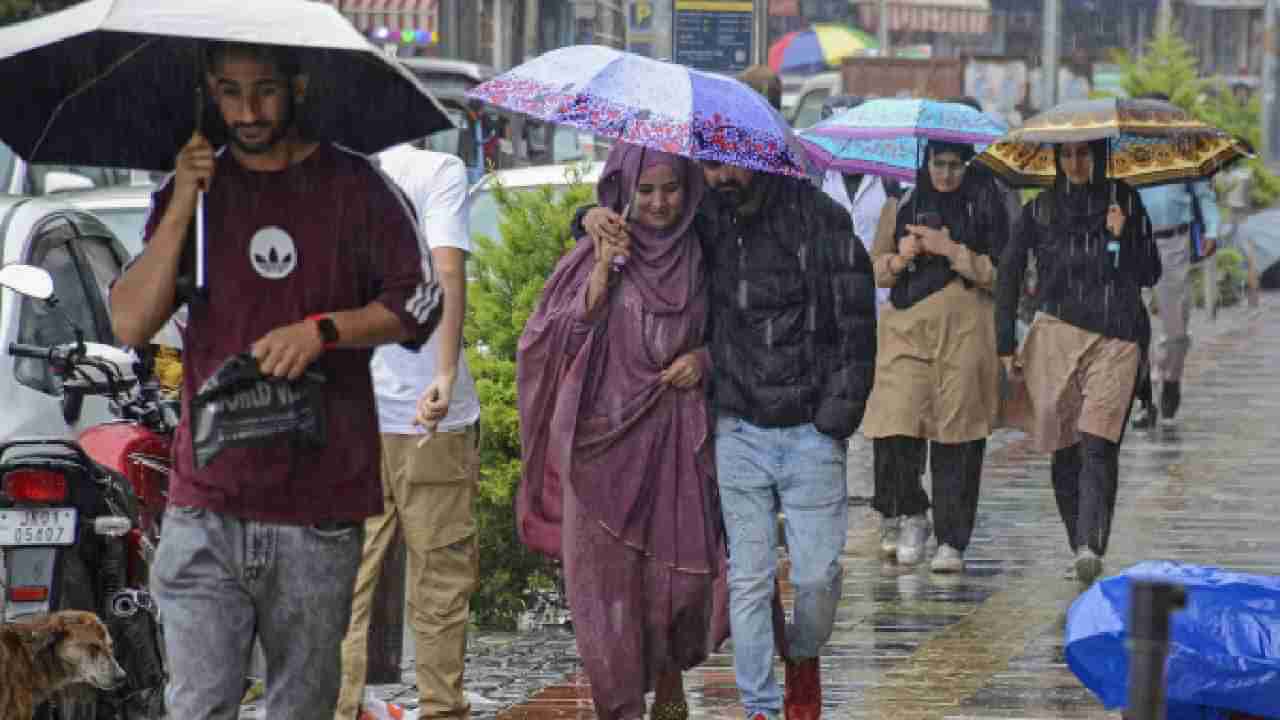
116, 82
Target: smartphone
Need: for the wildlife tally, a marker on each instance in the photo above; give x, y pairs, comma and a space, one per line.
931, 219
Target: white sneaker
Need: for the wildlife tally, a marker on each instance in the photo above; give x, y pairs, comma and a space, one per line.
889, 528
912, 539
1088, 566
947, 560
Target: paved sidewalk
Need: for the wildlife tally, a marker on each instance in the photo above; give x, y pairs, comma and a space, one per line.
988, 644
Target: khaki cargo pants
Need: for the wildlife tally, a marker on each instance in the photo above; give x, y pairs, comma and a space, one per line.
429, 493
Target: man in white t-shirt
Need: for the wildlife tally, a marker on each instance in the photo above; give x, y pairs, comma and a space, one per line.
428, 414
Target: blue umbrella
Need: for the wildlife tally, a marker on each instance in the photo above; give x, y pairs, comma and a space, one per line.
1224, 647
884, 137
647, 102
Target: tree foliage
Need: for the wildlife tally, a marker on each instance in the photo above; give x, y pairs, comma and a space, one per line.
1170, 67
508, 274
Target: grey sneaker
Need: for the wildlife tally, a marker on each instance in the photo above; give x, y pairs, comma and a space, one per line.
947, 560
1088, 566
912, 539
889, 528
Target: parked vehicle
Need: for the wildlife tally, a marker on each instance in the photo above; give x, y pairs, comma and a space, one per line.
84, 258
77, 534
18, 177
485, 215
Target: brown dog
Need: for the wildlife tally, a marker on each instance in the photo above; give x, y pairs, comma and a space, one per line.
44, 656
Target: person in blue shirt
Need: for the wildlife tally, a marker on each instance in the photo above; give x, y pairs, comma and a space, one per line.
1170, 210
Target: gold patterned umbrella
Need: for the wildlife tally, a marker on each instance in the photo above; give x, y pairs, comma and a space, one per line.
1149, 142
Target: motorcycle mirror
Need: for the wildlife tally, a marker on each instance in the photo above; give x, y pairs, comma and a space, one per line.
29, 280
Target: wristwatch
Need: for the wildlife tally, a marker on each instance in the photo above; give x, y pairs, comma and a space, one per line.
328, 330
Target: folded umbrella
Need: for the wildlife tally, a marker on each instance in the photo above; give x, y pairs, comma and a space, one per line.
659, 105
1224, 646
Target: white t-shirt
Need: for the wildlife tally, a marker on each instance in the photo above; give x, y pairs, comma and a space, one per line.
863, 209
436, 183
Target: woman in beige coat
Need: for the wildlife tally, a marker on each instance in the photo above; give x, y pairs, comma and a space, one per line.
937, 375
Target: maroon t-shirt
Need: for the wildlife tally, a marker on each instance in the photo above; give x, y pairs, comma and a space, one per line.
329, 233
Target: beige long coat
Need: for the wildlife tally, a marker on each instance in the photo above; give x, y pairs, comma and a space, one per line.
937, 373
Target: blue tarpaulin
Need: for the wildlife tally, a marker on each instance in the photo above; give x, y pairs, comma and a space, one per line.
1224, 647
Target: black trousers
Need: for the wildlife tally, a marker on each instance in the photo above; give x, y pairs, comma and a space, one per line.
1085, 479
957, 477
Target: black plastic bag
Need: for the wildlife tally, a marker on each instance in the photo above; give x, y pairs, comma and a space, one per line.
239, 406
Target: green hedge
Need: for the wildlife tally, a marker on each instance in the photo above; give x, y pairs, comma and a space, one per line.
507, 276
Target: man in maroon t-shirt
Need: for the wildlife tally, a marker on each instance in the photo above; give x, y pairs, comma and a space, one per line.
313, 260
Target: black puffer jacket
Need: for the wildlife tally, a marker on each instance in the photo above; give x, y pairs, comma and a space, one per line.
793, 331
793, 318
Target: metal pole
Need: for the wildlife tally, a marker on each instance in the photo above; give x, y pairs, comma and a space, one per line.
1051, 48
760, 32
1150, 604
1164, 17
882, 29
1270, 147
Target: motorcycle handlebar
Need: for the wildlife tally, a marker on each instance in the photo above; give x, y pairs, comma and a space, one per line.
31, 351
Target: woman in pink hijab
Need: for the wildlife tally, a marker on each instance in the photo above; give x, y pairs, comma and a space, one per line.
619, 479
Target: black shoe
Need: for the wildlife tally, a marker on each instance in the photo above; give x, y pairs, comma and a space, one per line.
1146, 418
1170, 398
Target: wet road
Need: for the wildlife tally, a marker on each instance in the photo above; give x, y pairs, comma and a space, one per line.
988, 644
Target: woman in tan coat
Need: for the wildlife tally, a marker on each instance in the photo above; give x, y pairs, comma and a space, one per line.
937, 375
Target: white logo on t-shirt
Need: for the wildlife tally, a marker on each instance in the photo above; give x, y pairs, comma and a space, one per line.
272, 253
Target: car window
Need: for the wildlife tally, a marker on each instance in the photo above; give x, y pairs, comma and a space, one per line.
449, 141
809, 111
126, 224
7, 162
485, 213
104, 266
100, 176
79, 300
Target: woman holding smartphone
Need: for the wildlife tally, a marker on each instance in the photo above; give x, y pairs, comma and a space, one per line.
936, 387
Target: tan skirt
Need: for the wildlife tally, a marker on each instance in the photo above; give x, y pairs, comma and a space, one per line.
1073, 381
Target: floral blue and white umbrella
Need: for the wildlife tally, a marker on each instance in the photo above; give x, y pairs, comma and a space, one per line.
885, 137
648, 102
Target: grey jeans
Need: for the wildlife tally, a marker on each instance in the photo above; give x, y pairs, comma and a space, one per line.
1173, 301
219, 580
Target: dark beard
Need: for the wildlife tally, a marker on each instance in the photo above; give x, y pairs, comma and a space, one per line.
733, 194
277, 134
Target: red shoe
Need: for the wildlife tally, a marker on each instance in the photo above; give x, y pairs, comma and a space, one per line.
803, 694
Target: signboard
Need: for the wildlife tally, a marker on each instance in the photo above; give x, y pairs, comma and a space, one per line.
713, 35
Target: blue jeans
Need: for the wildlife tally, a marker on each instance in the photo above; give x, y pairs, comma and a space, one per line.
219, 580
803, 470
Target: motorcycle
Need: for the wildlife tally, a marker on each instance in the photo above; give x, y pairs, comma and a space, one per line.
79, 532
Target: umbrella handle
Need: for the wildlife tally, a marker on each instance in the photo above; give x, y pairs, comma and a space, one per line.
200, 270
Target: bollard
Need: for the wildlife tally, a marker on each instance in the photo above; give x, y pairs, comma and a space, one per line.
1150, 604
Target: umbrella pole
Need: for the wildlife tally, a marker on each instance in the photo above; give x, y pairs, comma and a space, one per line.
200, 280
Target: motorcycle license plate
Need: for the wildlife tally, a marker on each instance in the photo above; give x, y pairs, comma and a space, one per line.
37, 526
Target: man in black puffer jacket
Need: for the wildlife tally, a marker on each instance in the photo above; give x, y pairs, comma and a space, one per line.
793, 343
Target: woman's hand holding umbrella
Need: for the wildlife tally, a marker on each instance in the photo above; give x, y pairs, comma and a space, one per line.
1115, 220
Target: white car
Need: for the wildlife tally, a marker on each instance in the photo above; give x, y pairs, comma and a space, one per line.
84, 257
18, 177
484, 214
